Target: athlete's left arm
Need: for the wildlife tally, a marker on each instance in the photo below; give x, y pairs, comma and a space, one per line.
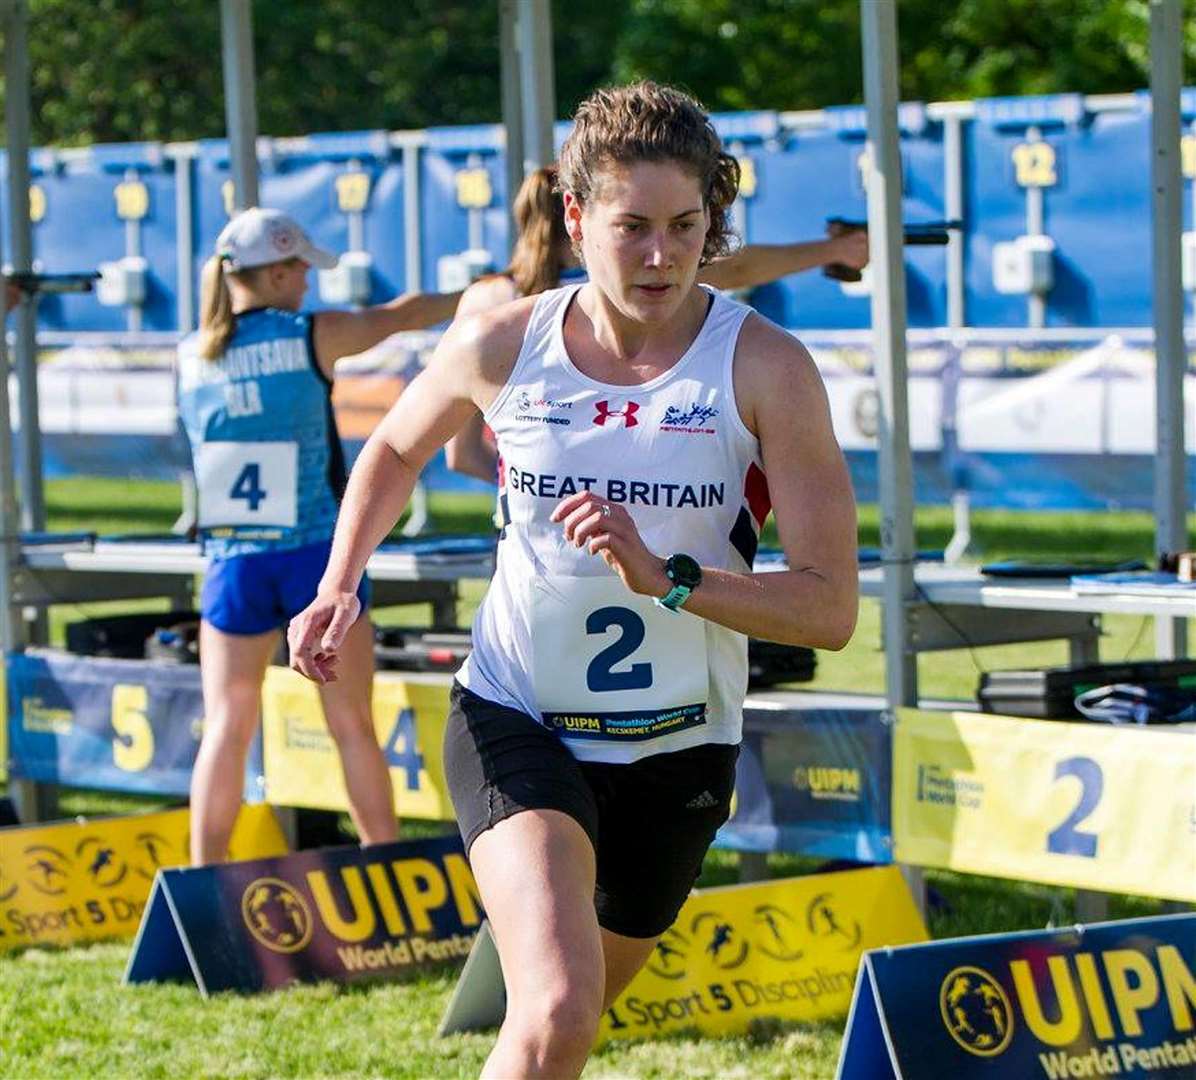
758, 264
347, 333
782, 401
815, 601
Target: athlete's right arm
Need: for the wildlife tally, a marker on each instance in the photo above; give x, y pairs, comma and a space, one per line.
471, 364
468, 451
346, 333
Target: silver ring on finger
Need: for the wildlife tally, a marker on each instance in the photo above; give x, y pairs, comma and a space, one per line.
605, 510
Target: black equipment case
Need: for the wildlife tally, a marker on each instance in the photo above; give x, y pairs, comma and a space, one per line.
1050, 693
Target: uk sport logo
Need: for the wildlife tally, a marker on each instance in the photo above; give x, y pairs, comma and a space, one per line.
627, 414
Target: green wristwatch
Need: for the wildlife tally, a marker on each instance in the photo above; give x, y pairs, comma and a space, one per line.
686, 575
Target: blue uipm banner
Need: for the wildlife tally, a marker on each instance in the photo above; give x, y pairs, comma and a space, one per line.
813, 780
341, 914
117, 725
1114, 999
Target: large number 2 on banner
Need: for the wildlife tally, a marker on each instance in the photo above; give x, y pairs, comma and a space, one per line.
599, 675
133, 747
1067, 839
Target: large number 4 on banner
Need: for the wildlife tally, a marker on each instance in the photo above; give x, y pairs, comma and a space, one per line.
402, 750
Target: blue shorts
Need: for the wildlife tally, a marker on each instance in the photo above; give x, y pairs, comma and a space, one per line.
250, 594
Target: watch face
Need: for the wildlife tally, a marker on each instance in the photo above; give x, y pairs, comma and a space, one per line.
684, 570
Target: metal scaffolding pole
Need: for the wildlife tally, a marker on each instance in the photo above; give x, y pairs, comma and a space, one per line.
512, 102
1166, 184
240, 101
16, 116
879, 24
537, 83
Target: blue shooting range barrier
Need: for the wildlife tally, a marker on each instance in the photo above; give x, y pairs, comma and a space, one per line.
463, 196
99, 204
1089, 158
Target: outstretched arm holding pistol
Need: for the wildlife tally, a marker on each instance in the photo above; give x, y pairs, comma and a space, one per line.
928, 233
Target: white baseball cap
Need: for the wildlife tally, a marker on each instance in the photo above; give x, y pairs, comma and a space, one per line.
257, 237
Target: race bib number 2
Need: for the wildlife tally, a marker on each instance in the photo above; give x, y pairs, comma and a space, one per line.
247, 484
611, 665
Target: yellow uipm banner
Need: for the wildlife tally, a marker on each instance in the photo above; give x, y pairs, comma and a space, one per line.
301, 763
84, 880
1086, 805
783, 949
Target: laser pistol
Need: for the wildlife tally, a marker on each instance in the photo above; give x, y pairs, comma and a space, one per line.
923, 234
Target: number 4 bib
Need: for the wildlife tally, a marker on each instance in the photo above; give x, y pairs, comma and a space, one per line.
608, 664
247, 484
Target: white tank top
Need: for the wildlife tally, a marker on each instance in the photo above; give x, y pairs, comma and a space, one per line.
558, 636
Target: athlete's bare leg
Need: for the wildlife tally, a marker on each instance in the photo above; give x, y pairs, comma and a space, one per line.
232, 669
535, 872
350, 718
624, 957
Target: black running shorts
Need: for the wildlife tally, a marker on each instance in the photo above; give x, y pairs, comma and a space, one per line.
650, 821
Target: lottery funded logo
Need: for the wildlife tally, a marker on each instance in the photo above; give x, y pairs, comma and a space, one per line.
276, 915
541, 410
976, 1011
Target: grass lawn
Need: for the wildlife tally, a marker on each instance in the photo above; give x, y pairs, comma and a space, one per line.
62, 1013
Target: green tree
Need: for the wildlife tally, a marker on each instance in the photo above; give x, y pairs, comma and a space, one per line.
132, 70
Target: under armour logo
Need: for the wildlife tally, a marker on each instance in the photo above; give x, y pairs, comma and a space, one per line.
605, 412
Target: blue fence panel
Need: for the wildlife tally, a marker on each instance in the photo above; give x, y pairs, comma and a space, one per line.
813, 172
302, 177
462, 177
77, 226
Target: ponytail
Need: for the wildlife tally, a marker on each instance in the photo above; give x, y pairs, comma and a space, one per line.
540, 218
216, 310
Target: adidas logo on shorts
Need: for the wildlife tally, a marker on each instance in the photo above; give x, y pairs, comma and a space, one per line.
701, 801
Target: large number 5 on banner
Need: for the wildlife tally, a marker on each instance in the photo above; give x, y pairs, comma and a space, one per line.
133, 747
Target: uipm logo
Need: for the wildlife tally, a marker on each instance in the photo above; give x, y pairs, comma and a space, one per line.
276, 915
1084, 1025
976, 1011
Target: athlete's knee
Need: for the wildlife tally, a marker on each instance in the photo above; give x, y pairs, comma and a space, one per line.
349, 722
560, 1023
234, 717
